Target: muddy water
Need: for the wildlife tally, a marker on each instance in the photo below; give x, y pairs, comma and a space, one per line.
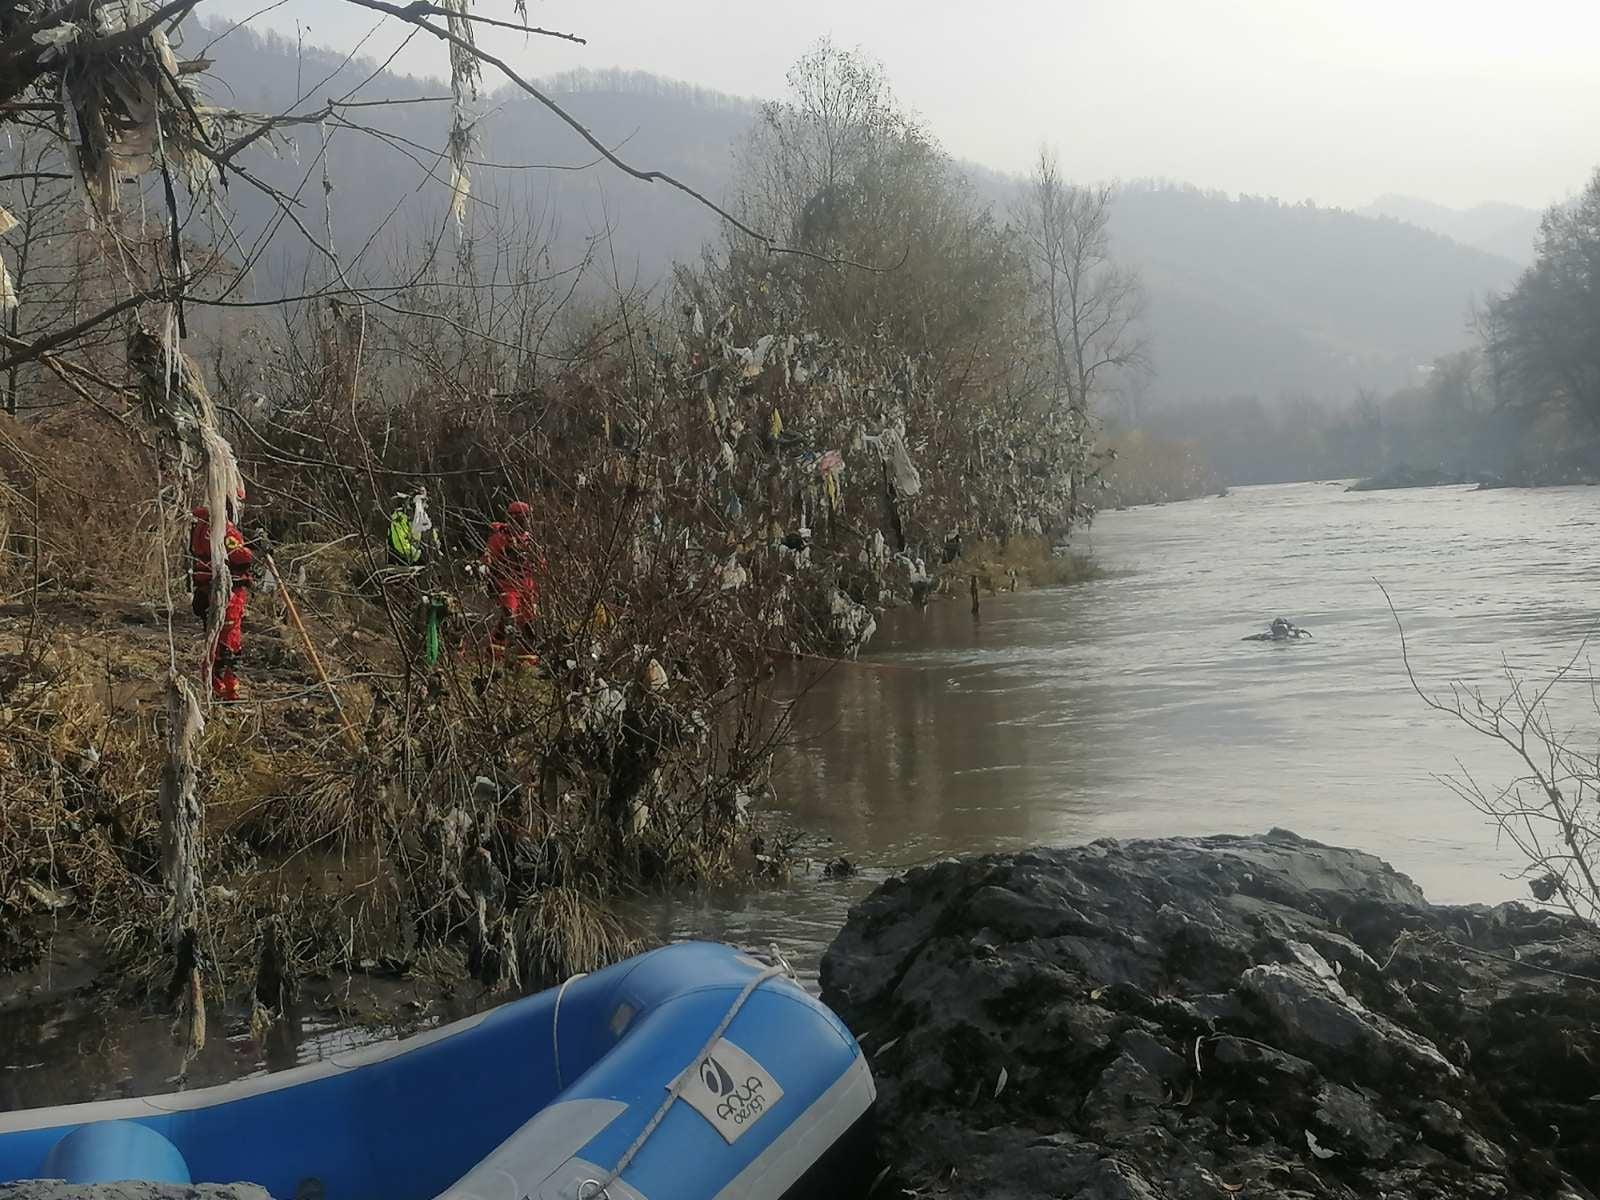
1130, 707
1123, 707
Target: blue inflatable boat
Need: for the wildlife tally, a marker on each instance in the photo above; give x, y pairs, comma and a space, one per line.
692, 1071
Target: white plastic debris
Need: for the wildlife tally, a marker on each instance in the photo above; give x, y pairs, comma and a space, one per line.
421, 522
610, 703
853, 624
732, 576
56, 39
892, 446
754, 358
916, 570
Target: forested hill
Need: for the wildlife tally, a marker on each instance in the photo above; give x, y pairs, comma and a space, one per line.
545, 181
1246, 296
1250, 296
1508, 230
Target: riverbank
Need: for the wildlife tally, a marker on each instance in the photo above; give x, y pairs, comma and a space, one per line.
1575, 471
1201, 1018
1124, 707
307, 932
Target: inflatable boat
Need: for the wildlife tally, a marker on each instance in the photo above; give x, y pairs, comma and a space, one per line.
690, 1071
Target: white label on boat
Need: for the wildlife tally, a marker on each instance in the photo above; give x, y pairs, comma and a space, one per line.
731, 1090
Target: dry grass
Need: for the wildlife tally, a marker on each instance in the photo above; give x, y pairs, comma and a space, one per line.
306, 801
78, 507
301, 835
1141, 469
1025, 562
564, 930
77, 798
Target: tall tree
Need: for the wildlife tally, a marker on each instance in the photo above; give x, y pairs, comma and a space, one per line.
1090, 306
899, 259
1543, 336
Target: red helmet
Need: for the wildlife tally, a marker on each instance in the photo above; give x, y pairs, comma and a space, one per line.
200, 512
517, 509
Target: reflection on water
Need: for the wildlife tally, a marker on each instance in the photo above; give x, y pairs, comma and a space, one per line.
84, 1048
1130, 707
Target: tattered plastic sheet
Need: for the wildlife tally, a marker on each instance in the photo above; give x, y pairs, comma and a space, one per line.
892, 447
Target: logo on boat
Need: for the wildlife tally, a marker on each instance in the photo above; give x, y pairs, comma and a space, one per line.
716, 1077
731, 1090
744, 1102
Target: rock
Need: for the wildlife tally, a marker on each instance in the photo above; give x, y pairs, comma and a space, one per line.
1311, 1009
1206, 1018
54, 1189
1407, 476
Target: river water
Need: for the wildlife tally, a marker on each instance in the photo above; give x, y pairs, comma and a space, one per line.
1130, 707
1124, 707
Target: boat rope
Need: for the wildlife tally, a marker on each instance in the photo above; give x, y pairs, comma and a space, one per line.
555, 1027
678, 1084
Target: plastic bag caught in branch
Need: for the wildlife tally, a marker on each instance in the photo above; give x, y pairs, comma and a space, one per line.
179, 804
892, 447
181, 407
754, 359
125, 103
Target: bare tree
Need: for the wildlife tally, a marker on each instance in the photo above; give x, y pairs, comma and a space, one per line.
1089, 305
1550, 811
105, 83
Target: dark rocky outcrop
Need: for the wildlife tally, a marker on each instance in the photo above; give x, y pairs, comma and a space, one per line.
1257, 1017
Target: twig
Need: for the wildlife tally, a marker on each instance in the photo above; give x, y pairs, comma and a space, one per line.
577, 126
421, 8
294, 615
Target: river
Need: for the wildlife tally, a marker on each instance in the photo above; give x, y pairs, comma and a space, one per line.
1129, 706
1124, 707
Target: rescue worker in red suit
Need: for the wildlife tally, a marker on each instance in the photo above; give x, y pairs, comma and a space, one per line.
224, 682
513, 566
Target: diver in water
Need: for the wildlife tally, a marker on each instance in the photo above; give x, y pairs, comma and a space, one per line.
1281, 630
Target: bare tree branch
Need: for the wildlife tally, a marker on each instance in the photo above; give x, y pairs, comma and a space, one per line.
421, 8
505, 68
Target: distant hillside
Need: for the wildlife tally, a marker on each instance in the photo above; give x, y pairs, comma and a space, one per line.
1504, 229
652, 122
1246, 296
1255, 297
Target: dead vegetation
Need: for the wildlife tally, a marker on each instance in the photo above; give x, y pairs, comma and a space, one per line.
1026, 562
753, 471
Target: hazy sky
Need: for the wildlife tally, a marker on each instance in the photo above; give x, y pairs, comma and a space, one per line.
1458, 101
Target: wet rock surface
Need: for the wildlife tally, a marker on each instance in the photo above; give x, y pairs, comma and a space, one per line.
54, 1189
1203, 1019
